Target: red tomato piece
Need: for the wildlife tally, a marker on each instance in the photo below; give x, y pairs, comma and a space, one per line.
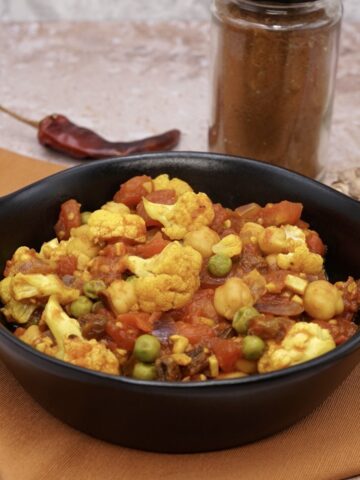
341, 331
221, 215
69, 218
194, 332
66, 265
315, 243
164, 197
201, 305
140, 320
281, 213
154, 246
132, 191
124, 337
227, 352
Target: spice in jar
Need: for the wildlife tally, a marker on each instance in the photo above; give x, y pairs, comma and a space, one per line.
274, 75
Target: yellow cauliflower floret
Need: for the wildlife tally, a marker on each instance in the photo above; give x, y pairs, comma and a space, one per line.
105, 225
80, 244
116, 208
303, 342
231, 245
70, 344
301, 260
38, 286
164, 282
282, 239
90, 354
19, 312
190, 212
163, 182
121, 296
5, 290
35, 338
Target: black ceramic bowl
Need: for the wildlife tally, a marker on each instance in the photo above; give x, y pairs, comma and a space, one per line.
181, 417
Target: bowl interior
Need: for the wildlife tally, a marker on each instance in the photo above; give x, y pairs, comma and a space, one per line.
28, 216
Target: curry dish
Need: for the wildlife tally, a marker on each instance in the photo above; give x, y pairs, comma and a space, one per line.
160, 283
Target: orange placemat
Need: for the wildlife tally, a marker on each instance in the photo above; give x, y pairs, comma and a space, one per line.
36, 446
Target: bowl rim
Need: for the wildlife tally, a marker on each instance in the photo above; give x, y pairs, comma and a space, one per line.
325, 360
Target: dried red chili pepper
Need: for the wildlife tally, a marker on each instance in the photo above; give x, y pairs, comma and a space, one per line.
59, 133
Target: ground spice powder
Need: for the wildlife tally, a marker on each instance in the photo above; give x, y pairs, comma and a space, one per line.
274, 74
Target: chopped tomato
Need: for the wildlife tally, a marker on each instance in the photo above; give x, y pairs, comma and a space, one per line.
340, 329
66, 265
164, 197
194, 332
132, 191
201, 305
124, 337
19, 331
140, 320
315, 243
108, 268
69, 218
281, 213
154, 246
117, 249
221, 215
227, 352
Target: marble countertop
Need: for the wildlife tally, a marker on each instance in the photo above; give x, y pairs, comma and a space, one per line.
129, 80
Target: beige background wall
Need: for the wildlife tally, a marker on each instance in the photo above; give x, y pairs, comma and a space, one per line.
15, 10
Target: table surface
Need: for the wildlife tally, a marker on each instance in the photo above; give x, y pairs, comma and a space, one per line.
129, 80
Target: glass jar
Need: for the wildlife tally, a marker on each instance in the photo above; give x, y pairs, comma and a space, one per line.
274, 66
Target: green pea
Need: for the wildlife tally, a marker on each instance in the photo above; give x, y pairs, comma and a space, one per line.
144, 371
92, 288
253, 347
85, 217
80, 306
219, 265
147, 348
242, 319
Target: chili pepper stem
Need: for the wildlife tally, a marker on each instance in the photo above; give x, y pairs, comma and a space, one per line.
22, 119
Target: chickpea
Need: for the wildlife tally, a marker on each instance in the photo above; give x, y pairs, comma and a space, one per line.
232, 296
202, 240
322, 300
273, 240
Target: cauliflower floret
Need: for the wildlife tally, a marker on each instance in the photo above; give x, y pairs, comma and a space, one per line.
106, 225
80, 244
36, 339
115, 207
303, 342
301, 260
162, 182
26, 260
70, 344
231, 245
164, 282
190, 212
282, 239
18, 312
5, 290
38, 286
